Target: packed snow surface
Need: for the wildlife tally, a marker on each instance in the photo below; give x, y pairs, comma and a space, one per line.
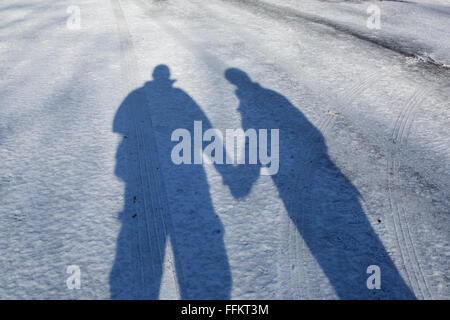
92, 91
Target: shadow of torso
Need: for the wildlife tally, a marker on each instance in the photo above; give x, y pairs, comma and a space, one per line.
148, 116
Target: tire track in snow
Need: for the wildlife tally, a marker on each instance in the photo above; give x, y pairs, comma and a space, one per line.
354, 91
153, 190
401, 228
323, 127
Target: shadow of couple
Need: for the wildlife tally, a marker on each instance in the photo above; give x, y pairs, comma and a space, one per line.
165, 202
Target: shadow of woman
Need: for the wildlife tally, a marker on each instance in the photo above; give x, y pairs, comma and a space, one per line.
164, 201
321, 202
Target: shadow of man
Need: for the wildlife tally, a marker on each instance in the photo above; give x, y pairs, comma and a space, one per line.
164, 201
321, 202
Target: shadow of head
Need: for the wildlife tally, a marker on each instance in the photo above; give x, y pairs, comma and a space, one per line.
238, 77
161, 74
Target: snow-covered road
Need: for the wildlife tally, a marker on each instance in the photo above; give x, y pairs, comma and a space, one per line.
87, 178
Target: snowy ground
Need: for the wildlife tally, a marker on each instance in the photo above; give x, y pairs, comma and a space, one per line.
86, 177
